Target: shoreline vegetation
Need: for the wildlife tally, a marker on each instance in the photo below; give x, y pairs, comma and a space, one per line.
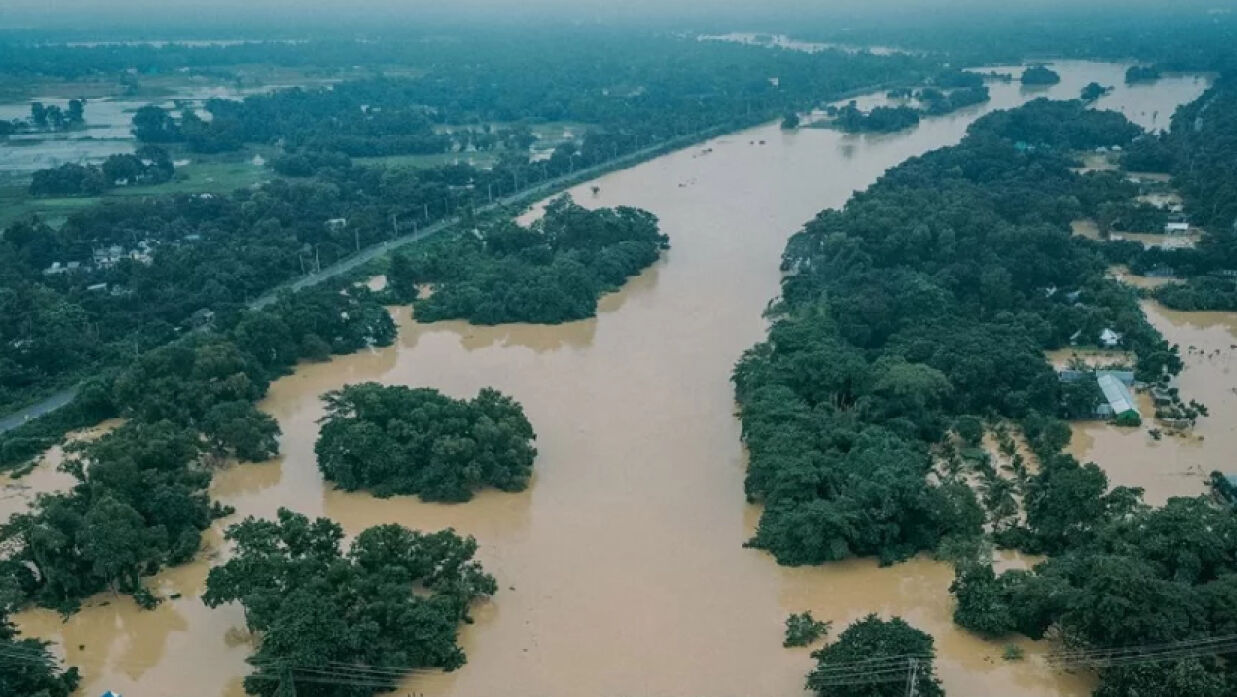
911, 322
916, 318
315, 225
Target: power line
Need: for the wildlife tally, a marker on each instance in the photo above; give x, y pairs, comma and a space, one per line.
1150, 653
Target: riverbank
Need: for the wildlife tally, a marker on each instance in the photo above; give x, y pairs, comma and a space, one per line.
628, 542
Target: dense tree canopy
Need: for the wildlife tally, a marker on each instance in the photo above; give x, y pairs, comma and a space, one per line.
1199, 151
1040, 75
140, 502
125, 276
1141, 73
392, 602
1121, 573
150, 165
399, 440
872, 642
881, 119
931, 295
553, 271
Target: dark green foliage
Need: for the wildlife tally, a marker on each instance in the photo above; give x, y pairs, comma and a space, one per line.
873, 639
153, 124
632, 91
1200, 293
140, 502
69, 179
1067, 125
398, 440
1193, 677
970, 429
1040, 75
1148, 153
954, 78
552, 272
141, 499
401, 278
928, 298
393, 600
1141, 73
1122, 574
1093, 91
790, 122
881, 119
802, 629
150, 165
307, 163
581, 75
28, 668
937, 103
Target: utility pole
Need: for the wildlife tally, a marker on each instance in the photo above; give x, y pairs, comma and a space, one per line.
287, 686
912, 689
490, 188
356, 238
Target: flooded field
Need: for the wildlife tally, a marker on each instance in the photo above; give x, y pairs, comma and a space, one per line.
1176, 465
109, 121
621, 569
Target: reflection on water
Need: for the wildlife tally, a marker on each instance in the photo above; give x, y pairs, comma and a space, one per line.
621, 569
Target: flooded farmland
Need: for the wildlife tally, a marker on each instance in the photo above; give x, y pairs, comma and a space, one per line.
621, 569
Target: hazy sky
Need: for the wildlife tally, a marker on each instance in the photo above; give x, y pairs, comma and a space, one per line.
85, 14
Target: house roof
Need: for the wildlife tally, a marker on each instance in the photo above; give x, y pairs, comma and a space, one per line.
1117, 394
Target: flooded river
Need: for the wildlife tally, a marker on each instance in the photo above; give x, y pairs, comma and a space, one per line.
621, 569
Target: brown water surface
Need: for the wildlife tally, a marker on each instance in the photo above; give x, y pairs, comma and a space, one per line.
1177, 465
621, 568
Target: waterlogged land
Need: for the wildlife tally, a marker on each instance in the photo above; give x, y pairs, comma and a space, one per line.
621, 569
1176, 465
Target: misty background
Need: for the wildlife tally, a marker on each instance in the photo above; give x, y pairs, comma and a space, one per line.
257, 18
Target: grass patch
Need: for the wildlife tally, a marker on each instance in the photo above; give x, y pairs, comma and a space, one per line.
217, 176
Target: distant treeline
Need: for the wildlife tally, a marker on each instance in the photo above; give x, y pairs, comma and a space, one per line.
1199, 151
73, 303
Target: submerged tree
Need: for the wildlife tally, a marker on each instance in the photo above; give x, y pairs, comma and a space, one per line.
803, 629
876, 658
398, 440
392, 602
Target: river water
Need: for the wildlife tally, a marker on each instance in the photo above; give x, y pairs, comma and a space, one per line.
621, 569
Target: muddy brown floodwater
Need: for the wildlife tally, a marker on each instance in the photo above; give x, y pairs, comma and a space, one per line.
1176, 465
621, 569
